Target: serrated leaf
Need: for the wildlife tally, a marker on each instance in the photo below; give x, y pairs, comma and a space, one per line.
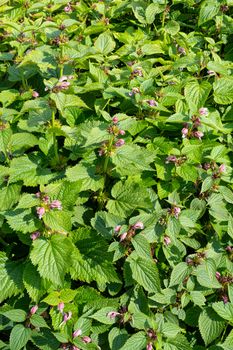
102, 315
105, 43
137, 342
210, 325
52, 257
19, 337
179, 273
141, 246
87, 176
223, 90
145, 273
117, 338
58, 220
224, 310
22, 220
38, 321
64, 101
16, 315
33, 282
9, 195
196, 94
206, 274
208, 11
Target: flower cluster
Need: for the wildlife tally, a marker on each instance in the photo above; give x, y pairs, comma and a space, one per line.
46, 205
175, 211
190, 131
127, 235
108, 146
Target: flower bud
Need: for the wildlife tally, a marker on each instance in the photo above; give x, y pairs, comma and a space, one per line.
218, 275
123, 236
77, 333
198, 134
225, 299
67, 317
211, 72
68, 8
184, 132
203, 111
35, 94
122, 132
35, 235
56, 204
33, 309
176, 211
181, 50
115, 120
139, 225
229, 249
117, 228
120, 143
113, 314
152, 103
60, 307
40, 211
86, 339
63, 78
37, 194
149, 346
166, 240
171, 159
75, 347
222, 168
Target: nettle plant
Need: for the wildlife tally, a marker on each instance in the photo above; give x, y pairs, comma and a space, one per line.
116, 175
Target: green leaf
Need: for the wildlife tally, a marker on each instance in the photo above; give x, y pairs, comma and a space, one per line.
9, 195
206, 274
210, 325
92, 261
223, 90
188, 172
33, 282
179, 273
117, 338
10, 276
224, 310
152, 10
104, 223
19, 337
208, 11
226, 193
16, 315
87, 177
58, 220
177, 343
137, 342
52, 257
172, 27
196, 94
5, 136
104, 43
45, 340
145, 273
64, 101
38, 321
22, 220
207, 184
141, 246
128, 197
102, 315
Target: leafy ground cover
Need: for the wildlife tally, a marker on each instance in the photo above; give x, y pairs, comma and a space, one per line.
116, 175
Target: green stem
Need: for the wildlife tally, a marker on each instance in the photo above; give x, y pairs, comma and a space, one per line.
164, 15
55, 147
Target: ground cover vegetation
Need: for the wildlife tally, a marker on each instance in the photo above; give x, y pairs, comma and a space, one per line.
116, 175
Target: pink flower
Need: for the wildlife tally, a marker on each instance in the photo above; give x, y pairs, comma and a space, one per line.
37, 194
218, 275
60, 307
64, 85
225, 299
117, 228
45, 199
152, 103
198, 134
86, 339
123, 236
33, 309
75, 347
229, 248
56, 204
35, 235
63, 78
115, 120
139, 225
122, 132
149, 346
120, 143
68, 8
67, 317
176, 211
35, 94
166, 240
197, 122
222, 168
184, 132
113, 314
181, 50
40, 211
211, 72
203, 111
77, 333
171, 159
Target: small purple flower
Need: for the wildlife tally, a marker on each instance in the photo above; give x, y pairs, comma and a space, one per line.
117, 228
184, 132
120, 143
35, 235
33, 309
181, 50
60, 307
35, 94
113, 314
40, 211
222, 168
152, 103
198, 134
115, 120
122, 132
218, 275
56, 204
67, 317
166, 240
139, 225
123, 236
149, 346
203, 111
171, 159
86, 339
176, 211
77, 333
225, 299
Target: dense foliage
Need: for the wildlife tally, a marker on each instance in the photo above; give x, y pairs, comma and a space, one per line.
116, 175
